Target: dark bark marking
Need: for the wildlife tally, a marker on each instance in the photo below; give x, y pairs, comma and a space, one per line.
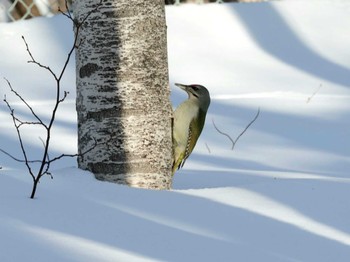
87, 70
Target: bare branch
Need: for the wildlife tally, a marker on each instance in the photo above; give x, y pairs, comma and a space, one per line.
69, 155
76, 155
68, 14
35, 62
44, 146
251, 122
66, 93
24, 102
224, 134
26, 161
308, 100
208, 148
78, 26
21, 123
45, 162
17, 159
241, 134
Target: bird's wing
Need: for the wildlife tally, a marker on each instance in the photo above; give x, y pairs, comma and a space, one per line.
193, 135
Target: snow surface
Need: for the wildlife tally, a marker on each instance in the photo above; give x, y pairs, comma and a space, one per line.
282, 194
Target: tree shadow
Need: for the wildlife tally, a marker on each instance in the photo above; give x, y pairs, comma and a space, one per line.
106, 221
273, 34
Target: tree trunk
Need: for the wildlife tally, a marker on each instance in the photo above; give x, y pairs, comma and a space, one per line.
123, 93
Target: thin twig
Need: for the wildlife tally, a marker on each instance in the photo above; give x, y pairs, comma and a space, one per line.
21, 123
26, 161
74, 155
241, 134
222, 133
68, 14
35, 62
208, 148
308, 100
64, 96
17, 159
251, 122
24, 102
49, 161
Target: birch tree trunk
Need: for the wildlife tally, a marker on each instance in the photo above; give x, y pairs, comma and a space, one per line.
123, 92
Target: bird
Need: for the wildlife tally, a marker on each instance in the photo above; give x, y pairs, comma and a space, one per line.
188, 122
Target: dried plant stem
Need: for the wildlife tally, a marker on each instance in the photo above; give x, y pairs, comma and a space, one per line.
234, 142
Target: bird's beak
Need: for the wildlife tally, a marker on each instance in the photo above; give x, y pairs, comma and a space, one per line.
183, 87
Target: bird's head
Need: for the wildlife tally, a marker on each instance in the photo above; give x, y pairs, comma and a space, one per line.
197, 92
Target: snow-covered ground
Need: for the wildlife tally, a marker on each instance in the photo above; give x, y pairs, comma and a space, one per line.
282, 194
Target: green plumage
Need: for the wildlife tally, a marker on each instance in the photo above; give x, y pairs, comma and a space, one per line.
194, 134
189, 119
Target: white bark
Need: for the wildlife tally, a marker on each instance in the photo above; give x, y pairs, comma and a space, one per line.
122, 92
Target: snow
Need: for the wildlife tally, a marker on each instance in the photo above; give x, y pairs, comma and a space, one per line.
282, 194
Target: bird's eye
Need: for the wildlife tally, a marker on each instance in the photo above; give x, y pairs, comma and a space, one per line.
195, 88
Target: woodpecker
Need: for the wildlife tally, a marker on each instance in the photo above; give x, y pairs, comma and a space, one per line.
189, 118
